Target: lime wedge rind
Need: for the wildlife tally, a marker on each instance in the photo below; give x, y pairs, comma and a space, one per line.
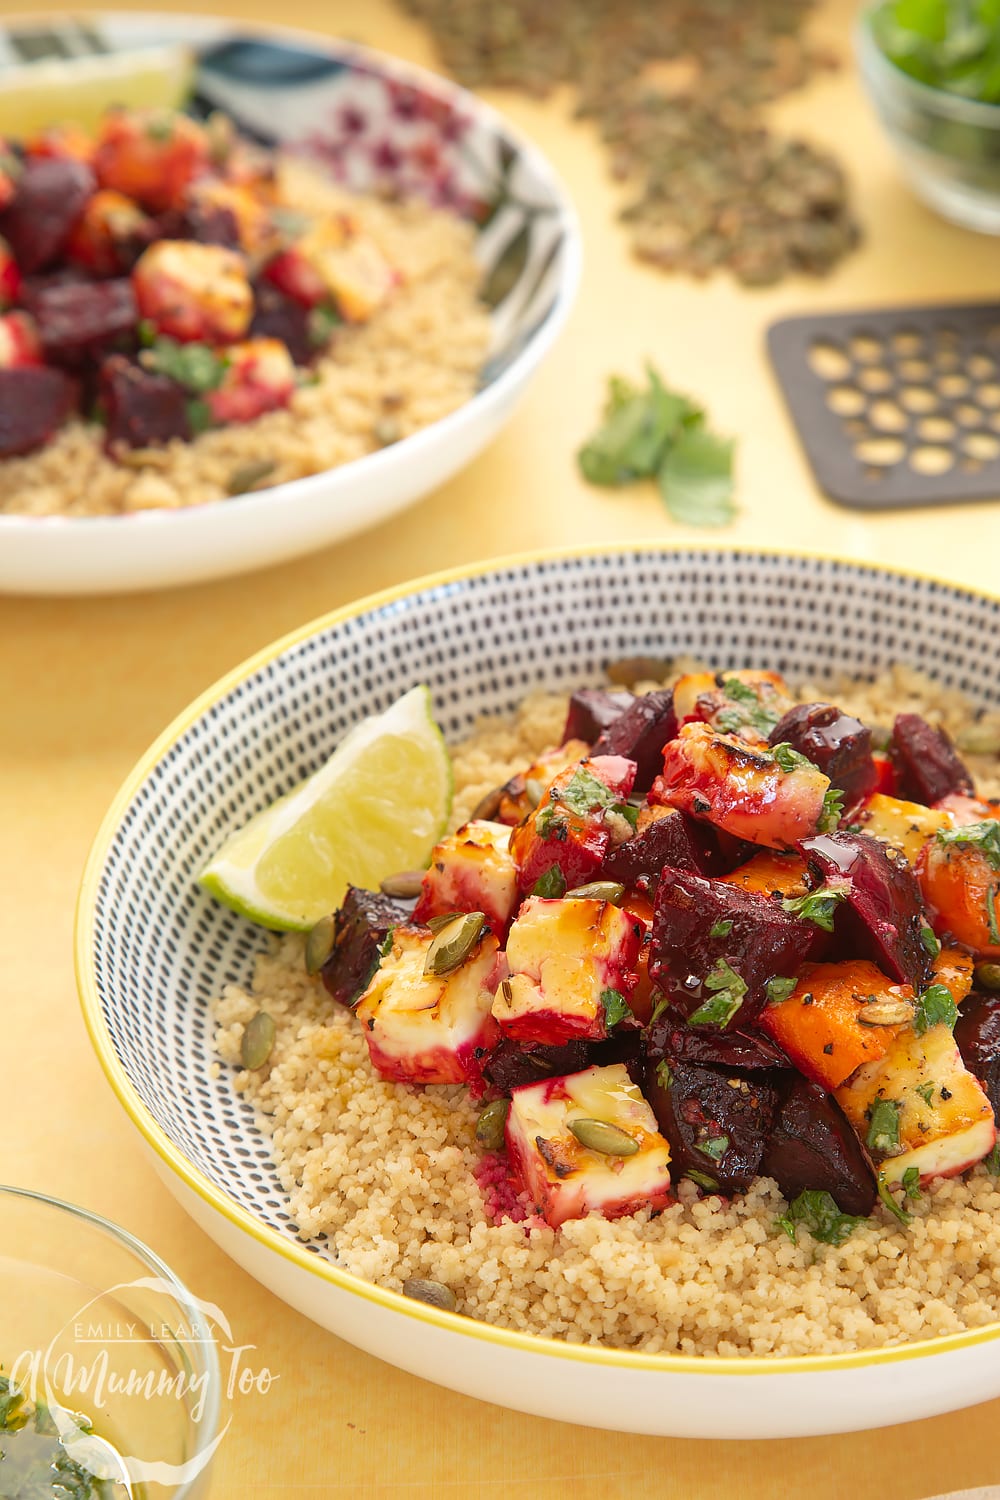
378, 805
78, 90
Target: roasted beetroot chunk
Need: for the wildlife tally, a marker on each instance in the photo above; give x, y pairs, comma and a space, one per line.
640, 734
812, 1146
79, 318
141, 409
715, 1120
592, 710
360, 928
978, 1036
50, 198
841, 746
881, 915
278, 317
927, 765
511, 1065
34, 403
701, 924
676, 840
670, 1036
208, 223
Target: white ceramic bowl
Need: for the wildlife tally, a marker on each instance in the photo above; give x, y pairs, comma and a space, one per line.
378, 123
152, 949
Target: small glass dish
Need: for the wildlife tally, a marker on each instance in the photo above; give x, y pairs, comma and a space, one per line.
948, 146
95, 1326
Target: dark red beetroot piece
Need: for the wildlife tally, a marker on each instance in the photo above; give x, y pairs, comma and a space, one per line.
882, 915
360, 928
811, 1145
592, 710
141, 409
841, 746
927, 765
716, 1121
671, 1036
676, 840
34, 403
510, 1065
209, 223
640, 734
79, 318
278, 317
760, 940
50, 197
978, 1036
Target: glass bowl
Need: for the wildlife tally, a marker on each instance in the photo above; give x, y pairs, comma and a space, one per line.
95, 1324
947, 146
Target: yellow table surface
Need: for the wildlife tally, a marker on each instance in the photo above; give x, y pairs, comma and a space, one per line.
85, 685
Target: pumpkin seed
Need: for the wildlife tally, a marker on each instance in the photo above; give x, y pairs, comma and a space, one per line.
609, 1140
249, 476
257, 1041
988, 975
599, 890
886, 1013
491, 1123
405, 885
487, 807
319, 944
436, 923
979, 739
434, 1293
631, 669
454, 942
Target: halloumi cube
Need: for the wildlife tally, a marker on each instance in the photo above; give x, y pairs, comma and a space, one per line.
427, 1028
938, 1118
568, 1180
904, 825
471, 870
567, 959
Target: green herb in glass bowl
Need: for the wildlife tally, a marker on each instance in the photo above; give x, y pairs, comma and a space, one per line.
932, 70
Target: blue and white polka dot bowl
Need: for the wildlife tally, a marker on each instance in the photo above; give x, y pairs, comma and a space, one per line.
153, 949
378, 125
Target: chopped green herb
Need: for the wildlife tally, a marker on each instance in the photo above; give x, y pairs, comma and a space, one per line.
655, 432
199, 415
816, 1211
664, 1074
323, 321
911, 1184
706, 1183
833, 810
194, 366
715, 1147
934, 1006
659, 1008
552, 883
992, 1162
818, 906
720, 929
789, 759
727, 990
160, 129
896, 1209
615, 1007
584, 792
747, 710
147, 333
930, 941
628, 812
926, 1092
984, 836
952, 45
778, 989
883, 1129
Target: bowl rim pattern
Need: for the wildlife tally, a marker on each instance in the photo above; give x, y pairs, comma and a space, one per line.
297, 1254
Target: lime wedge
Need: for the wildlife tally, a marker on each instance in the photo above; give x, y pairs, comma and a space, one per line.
80, 89
378, 805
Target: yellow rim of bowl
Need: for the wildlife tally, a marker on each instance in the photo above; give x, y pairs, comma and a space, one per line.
297, 1255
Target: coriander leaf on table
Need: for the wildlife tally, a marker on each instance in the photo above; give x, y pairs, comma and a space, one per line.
638, 426
696, 479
